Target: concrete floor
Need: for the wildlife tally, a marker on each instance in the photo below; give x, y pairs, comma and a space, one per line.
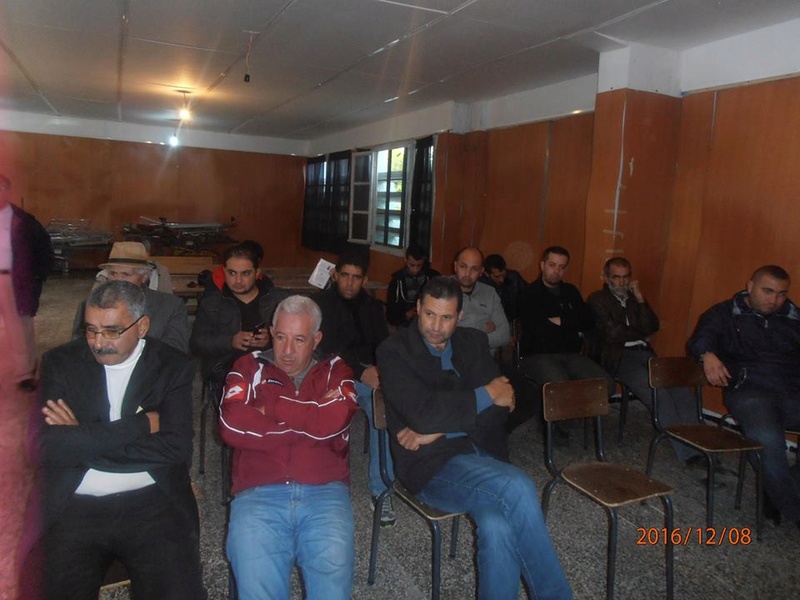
765, 569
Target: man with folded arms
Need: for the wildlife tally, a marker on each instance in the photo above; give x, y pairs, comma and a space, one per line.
117, 445
286, 413
446, 409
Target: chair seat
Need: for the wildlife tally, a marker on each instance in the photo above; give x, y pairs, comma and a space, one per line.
708, 438
426, 510
613, 485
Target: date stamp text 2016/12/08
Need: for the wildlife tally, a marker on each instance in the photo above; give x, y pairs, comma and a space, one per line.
701, 536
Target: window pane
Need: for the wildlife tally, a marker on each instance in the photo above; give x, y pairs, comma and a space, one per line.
361, 198
360, 226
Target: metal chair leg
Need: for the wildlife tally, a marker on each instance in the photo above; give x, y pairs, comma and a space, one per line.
710, 491
203, 411
669, 550
454, 537
651, 455
623, 414
436, 540
611, 557
740, 480
376, 529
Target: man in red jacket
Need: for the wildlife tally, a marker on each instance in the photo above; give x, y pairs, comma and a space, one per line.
287, 415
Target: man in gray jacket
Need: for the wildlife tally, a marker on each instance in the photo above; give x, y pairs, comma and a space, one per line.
483, 309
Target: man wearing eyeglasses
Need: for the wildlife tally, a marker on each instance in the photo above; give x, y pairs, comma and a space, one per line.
117, 442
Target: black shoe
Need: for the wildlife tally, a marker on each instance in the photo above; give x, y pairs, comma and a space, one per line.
27, 385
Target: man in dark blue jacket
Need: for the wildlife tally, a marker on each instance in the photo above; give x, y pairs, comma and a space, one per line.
750, 346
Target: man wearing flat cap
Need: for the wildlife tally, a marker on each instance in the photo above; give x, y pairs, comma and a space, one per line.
130, 261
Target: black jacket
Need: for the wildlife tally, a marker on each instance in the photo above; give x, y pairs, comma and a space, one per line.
161, 381
423, 397
355, 340
219, 319
402, 294
539, 334
763, 351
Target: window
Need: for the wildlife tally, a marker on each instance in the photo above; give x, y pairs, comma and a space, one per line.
379, 207
382, 197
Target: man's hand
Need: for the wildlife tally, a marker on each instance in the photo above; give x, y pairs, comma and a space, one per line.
411, 440
153, 417
246, 341
555, 320
715, 370
58, 412
490, 326
501, 392
634, 288
371, 377
260, 340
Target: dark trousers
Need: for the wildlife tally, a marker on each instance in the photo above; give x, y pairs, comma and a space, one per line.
143, 529
764, 415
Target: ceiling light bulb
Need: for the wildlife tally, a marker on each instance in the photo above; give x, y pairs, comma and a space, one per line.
185, 114
173, 140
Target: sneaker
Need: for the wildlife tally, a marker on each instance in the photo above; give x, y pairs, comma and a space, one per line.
388, 518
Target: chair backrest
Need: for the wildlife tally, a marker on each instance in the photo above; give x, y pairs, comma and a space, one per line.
579, 399
675, 371
378, 409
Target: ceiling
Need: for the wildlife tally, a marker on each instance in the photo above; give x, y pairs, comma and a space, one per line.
317, 67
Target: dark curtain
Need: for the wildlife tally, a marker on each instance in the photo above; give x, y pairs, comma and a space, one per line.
420, 220
327, 203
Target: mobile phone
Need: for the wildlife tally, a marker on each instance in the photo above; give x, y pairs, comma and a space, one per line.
259, 327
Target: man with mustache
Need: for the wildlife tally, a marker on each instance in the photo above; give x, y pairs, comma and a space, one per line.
117, 445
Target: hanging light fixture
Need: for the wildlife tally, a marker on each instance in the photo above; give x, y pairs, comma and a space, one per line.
184, 113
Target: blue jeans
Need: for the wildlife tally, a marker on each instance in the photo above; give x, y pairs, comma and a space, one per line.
512, 536
376, 485
272, 527
763, 416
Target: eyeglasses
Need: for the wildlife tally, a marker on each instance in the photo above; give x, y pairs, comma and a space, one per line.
109, 334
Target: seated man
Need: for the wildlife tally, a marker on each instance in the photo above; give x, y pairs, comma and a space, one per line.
483, 309
117, 445
401, 303
750, 346
129, 261
353, 325
446, 411
232, 316
554, 318
508, 284
625, 323
287, 415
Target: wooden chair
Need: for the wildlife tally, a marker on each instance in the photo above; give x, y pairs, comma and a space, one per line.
433, 516
681, 371
609, 485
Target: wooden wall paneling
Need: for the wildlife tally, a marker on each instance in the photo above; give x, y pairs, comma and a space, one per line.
600, 199
651, 141
17, 158
144, 182
750, 210
515, 180
449, 158
685, 223
566, 196
472, 204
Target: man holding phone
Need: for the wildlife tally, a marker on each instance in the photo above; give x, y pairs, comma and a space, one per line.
231, 320
621, 344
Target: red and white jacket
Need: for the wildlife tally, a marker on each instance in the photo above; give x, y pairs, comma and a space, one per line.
282, 434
